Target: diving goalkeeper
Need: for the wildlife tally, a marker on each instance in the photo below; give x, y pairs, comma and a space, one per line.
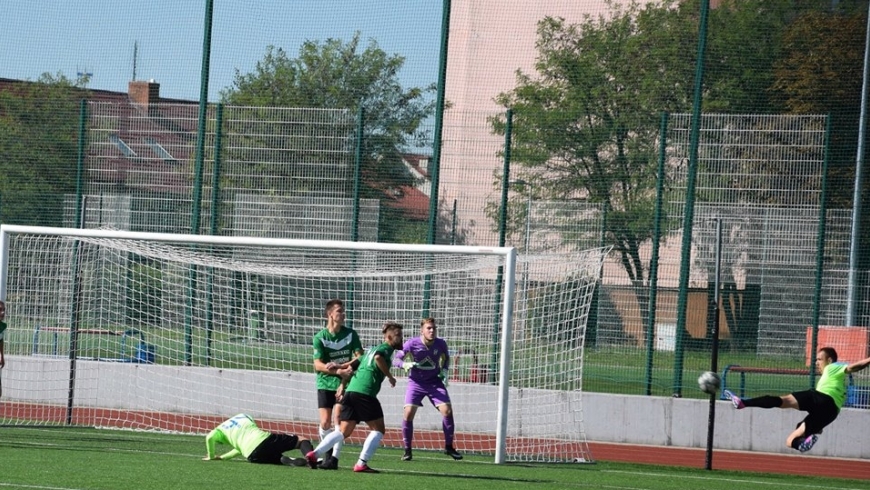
257, 445
427, 359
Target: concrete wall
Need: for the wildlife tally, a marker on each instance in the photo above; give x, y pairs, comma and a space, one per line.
657, 421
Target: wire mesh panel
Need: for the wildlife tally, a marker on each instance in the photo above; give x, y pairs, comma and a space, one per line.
165, 319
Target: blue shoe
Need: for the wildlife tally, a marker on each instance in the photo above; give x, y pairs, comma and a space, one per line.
808, 443
735, 400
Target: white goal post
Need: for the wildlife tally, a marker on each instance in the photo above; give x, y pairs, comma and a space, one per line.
175, 332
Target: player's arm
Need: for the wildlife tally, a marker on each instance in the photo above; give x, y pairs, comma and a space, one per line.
384, 366
857, 366
211, 441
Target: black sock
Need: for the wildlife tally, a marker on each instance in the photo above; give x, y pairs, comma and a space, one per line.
766, 401
306, 447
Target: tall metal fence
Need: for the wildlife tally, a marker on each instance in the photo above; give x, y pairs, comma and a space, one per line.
543, 125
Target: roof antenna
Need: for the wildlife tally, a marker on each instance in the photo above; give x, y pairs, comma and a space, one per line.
135, 57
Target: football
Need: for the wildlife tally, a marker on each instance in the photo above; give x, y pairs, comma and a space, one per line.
709, 382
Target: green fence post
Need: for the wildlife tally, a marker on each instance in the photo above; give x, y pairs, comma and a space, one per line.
820, 253
685, 255
654, 256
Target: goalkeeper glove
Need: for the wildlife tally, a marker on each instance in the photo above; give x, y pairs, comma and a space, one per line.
407, 365
443, 377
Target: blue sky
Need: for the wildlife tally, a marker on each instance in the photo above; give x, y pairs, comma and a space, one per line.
98, 36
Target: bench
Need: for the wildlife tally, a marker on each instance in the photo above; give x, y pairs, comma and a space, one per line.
856, 396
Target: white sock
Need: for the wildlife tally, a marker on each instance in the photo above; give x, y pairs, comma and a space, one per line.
370, 446
329, 441
336, 450
323, 432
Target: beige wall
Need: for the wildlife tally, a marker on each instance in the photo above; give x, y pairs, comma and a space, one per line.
489, 41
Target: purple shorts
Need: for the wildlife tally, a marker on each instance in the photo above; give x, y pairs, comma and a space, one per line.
436, 392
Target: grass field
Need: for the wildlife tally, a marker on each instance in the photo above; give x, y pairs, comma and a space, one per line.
100, 459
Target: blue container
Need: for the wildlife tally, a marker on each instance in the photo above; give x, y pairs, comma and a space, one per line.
858, 396
142, 352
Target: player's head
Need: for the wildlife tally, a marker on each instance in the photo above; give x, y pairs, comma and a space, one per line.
335, 311
393, 334
428, 329
825, 356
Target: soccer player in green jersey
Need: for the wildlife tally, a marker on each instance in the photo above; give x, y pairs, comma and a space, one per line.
359, 402
822, 404
334, 348
255, 444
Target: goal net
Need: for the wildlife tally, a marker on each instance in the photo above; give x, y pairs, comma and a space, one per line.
170, 332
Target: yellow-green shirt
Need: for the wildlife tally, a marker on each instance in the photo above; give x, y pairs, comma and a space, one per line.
240, 432
833, 382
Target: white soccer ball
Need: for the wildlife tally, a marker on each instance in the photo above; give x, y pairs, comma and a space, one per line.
709, 382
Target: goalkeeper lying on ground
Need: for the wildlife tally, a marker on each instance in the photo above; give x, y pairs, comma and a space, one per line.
257, 445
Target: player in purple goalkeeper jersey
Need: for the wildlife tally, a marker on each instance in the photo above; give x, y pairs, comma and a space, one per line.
427, 359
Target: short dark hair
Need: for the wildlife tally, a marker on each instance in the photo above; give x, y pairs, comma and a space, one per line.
332, 303
427, 320
831, 352
391, 326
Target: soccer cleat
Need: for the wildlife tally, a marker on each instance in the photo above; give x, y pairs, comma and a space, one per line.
808, 443
453, 453
364, 468
293, 461
407, 456
311, 457
735, 400
329, 463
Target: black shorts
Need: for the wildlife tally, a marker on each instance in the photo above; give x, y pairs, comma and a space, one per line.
821, 410
360, 408
270, 450
325, 399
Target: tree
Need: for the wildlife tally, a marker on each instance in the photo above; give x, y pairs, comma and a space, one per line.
586, 127
39, 124
338, 75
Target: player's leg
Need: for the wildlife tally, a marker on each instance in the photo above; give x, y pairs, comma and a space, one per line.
272, 449
441, 399
369, 409
347, 425
326, 403
408, 430
822, 410
413, 400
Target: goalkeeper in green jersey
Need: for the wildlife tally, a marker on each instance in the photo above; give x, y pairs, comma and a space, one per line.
257, 445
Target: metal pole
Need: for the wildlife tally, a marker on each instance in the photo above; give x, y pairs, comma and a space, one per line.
855, 244
714, 346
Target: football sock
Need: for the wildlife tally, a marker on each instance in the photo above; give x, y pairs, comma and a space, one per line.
370, 446
323, 432
305, 447
329, 441
795, 444
766, 401
449, 429
407, 433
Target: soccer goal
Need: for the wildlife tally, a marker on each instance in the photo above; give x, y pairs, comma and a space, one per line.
172, 332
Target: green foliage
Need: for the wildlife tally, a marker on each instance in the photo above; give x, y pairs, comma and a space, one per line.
338, 75
39, 124
586, 125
